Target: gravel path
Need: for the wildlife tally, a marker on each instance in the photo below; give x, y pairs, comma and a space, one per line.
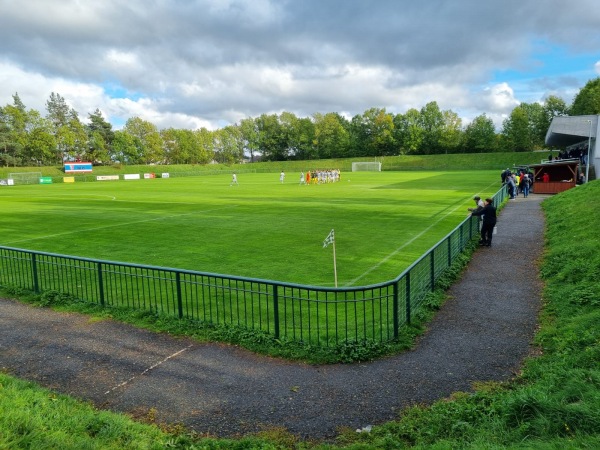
482, 333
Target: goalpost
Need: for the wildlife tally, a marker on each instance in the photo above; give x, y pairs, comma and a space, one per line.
366, 166
25, 177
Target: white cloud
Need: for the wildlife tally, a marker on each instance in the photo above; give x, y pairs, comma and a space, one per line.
210, 62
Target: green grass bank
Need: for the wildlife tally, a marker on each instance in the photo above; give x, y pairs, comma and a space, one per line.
460, 161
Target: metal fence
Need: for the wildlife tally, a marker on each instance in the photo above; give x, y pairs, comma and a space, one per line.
314, 315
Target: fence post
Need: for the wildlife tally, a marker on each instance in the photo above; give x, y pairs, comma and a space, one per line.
276, 310
432, 269
408, 298
36, 285
179, 296
470, 228
396, 326
100, 284
449, 250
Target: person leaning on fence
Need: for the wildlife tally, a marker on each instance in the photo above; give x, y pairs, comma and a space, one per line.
488, 212
480, 204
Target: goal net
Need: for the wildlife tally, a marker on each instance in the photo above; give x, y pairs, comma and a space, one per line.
25, 177
366, 166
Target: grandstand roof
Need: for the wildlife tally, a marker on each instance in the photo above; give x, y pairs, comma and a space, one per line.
569, 130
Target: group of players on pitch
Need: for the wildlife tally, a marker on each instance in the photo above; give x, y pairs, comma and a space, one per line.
311, 177
320, 176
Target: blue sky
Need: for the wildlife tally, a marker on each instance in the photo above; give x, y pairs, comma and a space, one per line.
552, 69
209, 63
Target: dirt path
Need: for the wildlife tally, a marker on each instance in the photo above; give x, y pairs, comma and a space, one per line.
482, 333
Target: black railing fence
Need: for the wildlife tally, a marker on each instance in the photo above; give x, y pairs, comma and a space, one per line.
314, 315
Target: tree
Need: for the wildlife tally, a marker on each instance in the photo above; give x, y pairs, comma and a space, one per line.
250, 136
177, 145
125, 148
552, 107
58, 110
40, 146
516, 131
14, 123
203, 150
480, 135
228, 145
100, 138
587, 100
432, 123
299, 135
272, 138
451, 132
538, 126
147, 140
373, 133
408, 131
303, 138
68, 130
331, 138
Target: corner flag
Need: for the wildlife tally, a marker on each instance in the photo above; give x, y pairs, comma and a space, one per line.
330, 239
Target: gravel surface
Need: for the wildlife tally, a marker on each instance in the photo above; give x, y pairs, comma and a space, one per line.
482, 333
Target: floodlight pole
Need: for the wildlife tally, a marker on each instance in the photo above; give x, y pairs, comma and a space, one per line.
587, 163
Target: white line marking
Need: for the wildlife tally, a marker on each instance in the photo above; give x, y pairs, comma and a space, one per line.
81, 230
148, 369
395, 252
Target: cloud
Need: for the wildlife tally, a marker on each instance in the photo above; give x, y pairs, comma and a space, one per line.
210, 62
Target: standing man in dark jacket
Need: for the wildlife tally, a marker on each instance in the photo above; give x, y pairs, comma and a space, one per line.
489, 221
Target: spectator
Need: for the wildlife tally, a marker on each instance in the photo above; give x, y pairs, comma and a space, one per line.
510, 183
488, 212
525, 185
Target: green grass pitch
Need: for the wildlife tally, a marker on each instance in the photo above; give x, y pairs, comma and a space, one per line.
262, 228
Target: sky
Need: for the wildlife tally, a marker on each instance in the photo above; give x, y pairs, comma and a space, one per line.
211, 63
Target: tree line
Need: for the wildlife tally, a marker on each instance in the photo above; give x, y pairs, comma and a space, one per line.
29, 138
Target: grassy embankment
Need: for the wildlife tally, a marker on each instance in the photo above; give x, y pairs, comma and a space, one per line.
462, 161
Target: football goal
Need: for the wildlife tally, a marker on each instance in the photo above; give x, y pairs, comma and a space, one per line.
365, 166
25, 177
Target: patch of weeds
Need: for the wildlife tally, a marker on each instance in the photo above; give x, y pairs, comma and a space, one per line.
54, 298
360, 350
585, 294
279, 436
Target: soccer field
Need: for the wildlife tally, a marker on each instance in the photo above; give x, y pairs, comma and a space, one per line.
261, 228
